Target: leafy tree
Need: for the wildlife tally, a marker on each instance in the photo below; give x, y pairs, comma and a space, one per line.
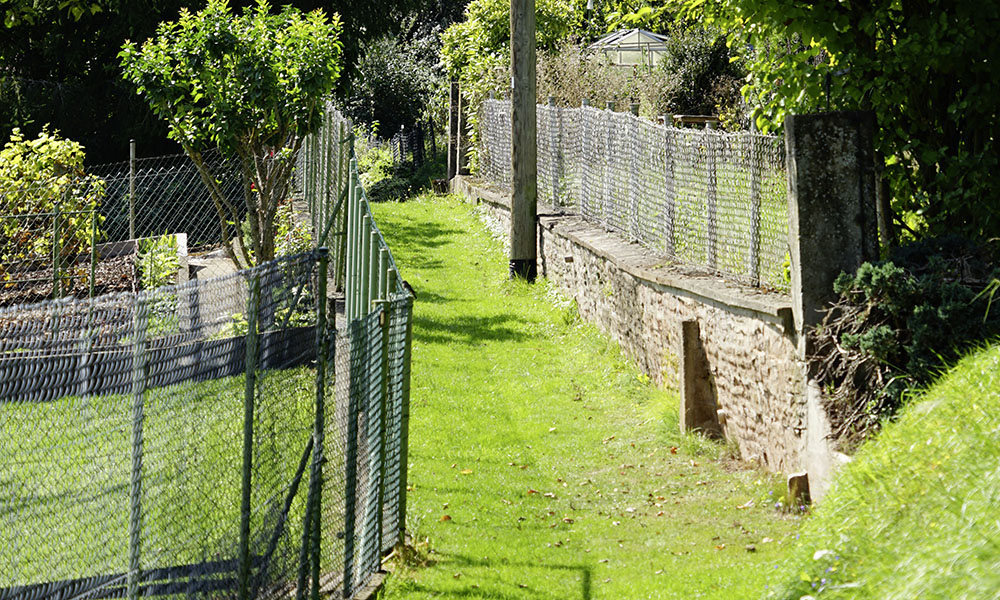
393, 82
16, 12
930, 71
253, 86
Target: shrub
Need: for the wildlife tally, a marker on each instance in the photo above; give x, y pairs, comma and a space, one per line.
37, 178
897, 324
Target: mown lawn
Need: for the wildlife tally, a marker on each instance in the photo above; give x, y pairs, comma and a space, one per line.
542, 464
66, 468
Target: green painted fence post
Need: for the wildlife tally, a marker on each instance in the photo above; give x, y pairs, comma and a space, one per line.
404, 413
249, 390
56, 251
373, 248
93, 248
385, 318
366, 260
316, 480
140, 326
355, 330
359, 247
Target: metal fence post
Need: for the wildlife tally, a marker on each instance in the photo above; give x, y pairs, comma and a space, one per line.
669, 187
633, 176
131, 189
754, 168
316, 480
364, 297
341, 255
711, 205
56, 251
351, 455
139, 332
404, 413
373, 265
384, 321
249, 390
93, 248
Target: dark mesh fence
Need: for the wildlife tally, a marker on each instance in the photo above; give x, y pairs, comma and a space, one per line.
232, 436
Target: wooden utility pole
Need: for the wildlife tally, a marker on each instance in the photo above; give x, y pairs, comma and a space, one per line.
524, 199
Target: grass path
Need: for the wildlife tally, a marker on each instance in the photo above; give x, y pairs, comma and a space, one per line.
542, 464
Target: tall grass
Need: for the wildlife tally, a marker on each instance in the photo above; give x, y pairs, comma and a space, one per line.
916, 514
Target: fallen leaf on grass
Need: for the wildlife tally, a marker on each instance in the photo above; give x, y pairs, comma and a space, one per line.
720, 547
673, 449
549, 495
457, 575
530, 491
445, 518
466, 471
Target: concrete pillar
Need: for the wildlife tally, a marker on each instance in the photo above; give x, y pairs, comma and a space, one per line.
698, 410
831, 206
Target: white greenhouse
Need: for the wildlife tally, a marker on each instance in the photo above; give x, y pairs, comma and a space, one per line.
632, 47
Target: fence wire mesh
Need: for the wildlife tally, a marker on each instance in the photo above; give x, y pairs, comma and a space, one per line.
711, 199
212, 438
47, 232
122, 427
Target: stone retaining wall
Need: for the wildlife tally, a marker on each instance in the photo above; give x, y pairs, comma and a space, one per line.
751, 367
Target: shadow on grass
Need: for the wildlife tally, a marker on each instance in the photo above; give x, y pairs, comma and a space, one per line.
470, 330
495, 587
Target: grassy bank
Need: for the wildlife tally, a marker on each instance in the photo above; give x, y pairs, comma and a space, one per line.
915, 515
542, 464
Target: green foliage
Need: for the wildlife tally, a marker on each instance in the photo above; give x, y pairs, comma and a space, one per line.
897, 325
293, 237
18, 12
38, 177
156, 261
470, 48
393, 81
156, 264
938, 145
914, 514
252, 85
374, 158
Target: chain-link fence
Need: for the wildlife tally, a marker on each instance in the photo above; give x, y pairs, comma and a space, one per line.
165, 194
377, 313
47, 237
711, 199
217, 438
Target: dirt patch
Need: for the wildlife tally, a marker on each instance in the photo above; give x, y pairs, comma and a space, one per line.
110, 275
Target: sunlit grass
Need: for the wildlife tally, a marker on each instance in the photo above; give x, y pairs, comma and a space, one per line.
915, 514
542, 463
